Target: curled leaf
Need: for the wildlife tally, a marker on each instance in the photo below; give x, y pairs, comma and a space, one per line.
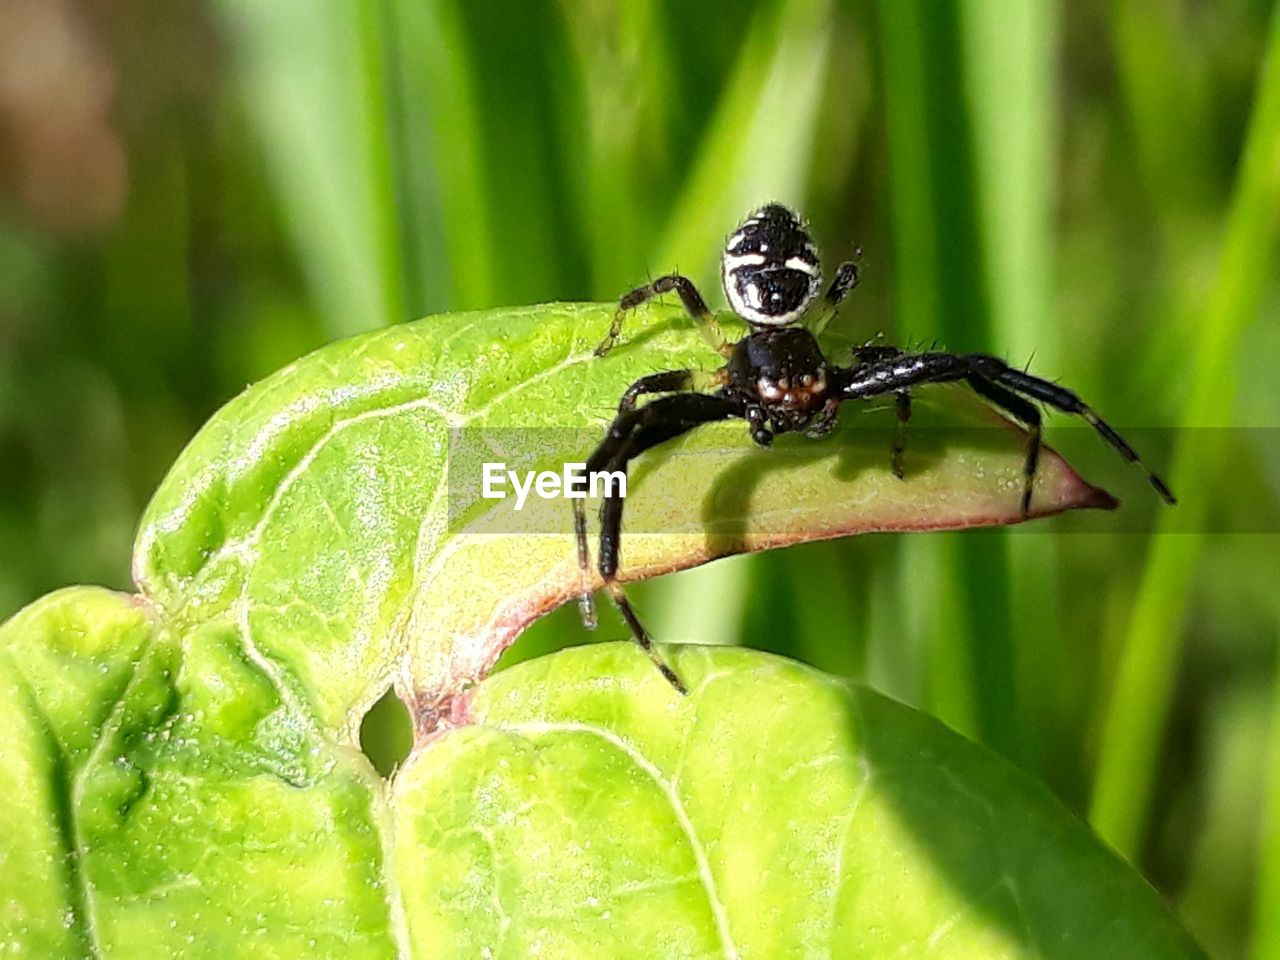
334, 512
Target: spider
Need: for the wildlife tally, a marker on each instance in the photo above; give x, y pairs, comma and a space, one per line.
778, 380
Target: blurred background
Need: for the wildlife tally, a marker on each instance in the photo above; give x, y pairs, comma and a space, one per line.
193, 194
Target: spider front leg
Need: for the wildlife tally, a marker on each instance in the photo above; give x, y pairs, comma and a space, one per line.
694, 305
630, 434
670, 381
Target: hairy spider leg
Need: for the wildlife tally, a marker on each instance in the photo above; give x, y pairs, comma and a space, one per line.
629, 435
694, 305
909, 370
842, 284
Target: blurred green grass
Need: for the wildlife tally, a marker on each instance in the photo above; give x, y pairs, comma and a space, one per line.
1062, 184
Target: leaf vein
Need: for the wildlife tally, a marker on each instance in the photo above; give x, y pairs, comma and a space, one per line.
718, 912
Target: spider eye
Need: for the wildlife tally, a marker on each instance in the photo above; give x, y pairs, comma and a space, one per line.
770, 271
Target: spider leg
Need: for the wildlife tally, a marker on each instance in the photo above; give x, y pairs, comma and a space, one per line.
1060, 398
586, 603
1020, 409
670, 381
629, 435
902, 406
845, 279
694, 305
842, 283
758, 425
872, 352
908, 370
898, 372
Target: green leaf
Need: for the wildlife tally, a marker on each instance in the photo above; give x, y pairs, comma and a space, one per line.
161, 800
180, 769
586, 810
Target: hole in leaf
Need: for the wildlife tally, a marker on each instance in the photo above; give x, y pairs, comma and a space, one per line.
386, 733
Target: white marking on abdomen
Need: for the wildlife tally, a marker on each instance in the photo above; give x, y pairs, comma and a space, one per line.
801, 264
733, 261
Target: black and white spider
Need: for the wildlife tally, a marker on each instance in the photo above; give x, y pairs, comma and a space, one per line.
777, 379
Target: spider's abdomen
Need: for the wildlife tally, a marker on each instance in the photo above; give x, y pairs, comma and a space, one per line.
770, 269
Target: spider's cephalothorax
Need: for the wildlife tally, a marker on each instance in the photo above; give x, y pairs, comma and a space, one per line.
781, 375
778, 380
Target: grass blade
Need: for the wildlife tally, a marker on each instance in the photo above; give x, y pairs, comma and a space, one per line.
318, 102
1009, 67
1266, 931
1138, 711
772, 98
